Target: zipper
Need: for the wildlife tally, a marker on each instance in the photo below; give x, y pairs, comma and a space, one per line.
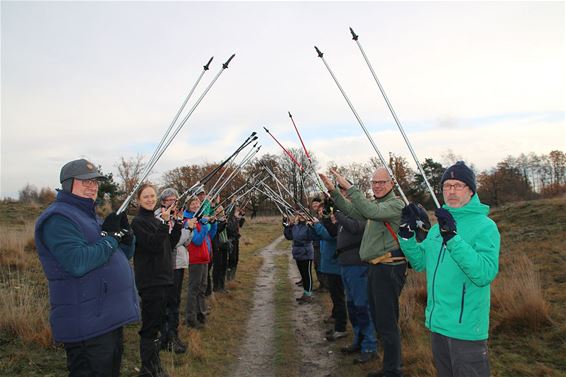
442, 247
462, 305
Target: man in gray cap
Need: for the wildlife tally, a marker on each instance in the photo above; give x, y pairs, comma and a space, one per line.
91, 284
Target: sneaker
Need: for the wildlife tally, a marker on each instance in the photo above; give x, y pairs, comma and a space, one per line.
329, 331
305, 300
176, 345
365, 357
352, 348
336, 335
300, 282
329, 320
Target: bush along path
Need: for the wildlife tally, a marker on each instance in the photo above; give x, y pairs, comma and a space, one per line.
284, 338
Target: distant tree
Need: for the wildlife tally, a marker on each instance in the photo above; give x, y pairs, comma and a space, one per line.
503, 184
401, 171
46, 195
28, 194
109, 190
130, 171
419, 191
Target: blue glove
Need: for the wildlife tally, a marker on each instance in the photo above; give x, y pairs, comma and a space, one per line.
446, 223
408, 221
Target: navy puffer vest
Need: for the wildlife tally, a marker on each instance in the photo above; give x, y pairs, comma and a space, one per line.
98, 302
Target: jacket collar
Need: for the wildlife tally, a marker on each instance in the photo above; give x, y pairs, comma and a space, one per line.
145, 212
85, 204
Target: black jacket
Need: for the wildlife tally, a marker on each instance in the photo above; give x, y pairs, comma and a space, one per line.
350, 233
153, 259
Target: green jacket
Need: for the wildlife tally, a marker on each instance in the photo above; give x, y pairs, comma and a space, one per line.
459, 274
377, 239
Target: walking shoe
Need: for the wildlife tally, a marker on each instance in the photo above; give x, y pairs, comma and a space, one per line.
195, 325
376, 374
336, 335
175, 345
352, 348
305, 300
365, 357
329, 331
300, 282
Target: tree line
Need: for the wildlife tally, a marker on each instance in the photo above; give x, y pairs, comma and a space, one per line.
524, 177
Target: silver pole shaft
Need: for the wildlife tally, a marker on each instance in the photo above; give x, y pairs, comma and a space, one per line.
361, 123
148, 170
398, 124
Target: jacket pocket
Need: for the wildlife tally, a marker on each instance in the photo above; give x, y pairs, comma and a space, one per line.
462, 302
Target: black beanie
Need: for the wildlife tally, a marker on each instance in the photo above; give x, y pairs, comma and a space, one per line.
460, 172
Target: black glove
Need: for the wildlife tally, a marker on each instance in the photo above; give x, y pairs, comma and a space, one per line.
127, 232
111, 226
446, 223
423, 223
285, 221
408, 221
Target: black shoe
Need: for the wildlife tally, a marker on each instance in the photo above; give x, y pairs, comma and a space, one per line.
175, 345
376, 374
353, 348
365, 357
195, 325
336, 335
329, 320
300, 282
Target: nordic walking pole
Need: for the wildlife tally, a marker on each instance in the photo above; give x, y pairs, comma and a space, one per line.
148, 170
355, 38
318, 183
361, 123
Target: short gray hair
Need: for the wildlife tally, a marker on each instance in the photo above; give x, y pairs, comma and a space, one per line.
167, 193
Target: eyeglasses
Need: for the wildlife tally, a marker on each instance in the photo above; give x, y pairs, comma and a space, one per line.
89, 182
456, 186
380, 183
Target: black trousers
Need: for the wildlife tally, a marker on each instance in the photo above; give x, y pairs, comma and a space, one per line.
339, 311
305, 269
459, 358
97, 357
233, 258
220, 264
170, 325
385, 283
153, 310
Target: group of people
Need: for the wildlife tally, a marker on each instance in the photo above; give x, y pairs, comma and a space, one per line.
362, 249
93, 290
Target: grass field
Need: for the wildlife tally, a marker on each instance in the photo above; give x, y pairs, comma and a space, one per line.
528, 317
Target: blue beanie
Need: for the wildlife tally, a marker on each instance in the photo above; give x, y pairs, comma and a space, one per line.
460, 172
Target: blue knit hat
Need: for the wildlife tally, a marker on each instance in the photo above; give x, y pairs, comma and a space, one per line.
460, 172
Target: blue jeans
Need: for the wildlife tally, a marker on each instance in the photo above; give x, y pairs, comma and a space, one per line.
355, 278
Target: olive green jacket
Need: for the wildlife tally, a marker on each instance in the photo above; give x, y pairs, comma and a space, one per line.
377, 239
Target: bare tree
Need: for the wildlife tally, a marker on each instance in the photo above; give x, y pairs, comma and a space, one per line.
130, 171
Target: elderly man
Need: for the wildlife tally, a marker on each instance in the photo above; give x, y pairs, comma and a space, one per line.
379, 248
91, 284
461, 258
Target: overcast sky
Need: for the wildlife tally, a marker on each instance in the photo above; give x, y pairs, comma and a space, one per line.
102, 80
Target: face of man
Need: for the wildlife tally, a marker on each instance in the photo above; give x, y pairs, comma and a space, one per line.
381, 183
85, 188
456, 193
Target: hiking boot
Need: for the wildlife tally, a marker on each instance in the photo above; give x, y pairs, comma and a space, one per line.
175, 345
305, 300
336, 335
365, 357
352, 348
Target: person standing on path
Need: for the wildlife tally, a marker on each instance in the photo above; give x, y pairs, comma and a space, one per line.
461, 258
379, 248
92, 293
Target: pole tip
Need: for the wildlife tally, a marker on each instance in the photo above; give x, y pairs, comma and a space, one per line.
266, 130
320, 54
225, 65
290, 116
354, 35
253, 133
208, 64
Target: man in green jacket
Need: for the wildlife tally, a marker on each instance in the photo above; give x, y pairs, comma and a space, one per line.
379, 248
461, 258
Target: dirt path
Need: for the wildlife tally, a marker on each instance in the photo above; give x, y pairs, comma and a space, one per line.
318, 355
257, 352
256, 356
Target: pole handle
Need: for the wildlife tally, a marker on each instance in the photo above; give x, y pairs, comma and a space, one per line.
320, 54
225, 65
354, 35
208, 64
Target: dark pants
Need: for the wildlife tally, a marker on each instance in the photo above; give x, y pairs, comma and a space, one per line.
320, 276
153, 309
305, 269
459, 358
97, 357
220, 263
208, 290
336, 289
385, 283
233, 258
170, 326
196, 305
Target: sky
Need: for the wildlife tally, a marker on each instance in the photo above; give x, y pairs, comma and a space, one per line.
103, 80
